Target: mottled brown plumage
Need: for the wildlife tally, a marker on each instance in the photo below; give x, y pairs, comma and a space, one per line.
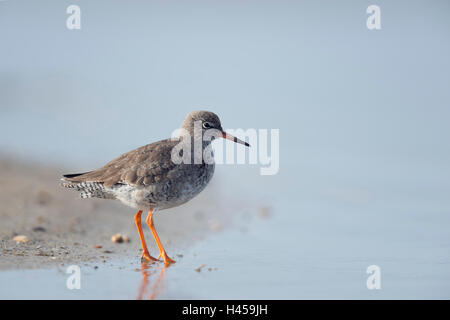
140, 167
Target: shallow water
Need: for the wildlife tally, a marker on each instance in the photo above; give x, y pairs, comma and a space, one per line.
269, 260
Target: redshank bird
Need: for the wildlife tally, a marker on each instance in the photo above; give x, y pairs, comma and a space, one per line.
153, 178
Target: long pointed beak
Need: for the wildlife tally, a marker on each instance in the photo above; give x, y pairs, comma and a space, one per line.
232, 138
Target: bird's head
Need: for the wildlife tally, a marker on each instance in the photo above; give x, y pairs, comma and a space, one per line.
207, 121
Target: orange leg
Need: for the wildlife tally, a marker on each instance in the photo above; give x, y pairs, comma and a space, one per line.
162, 252
145, 253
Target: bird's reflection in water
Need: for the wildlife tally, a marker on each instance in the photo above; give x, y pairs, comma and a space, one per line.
152, 283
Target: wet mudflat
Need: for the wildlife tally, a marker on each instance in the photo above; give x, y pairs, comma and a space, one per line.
249, 265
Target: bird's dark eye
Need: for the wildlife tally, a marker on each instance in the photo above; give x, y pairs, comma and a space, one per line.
206, 125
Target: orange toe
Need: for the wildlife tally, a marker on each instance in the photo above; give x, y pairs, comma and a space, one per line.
166, 259
148, 257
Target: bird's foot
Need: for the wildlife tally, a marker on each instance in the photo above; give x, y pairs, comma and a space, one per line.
146, 256
166, 258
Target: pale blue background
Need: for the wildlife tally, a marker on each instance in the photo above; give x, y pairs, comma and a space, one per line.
363, 118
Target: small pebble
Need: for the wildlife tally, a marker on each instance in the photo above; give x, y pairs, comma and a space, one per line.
21, 238
119, 238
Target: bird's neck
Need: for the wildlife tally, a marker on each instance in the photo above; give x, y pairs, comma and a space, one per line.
196, 150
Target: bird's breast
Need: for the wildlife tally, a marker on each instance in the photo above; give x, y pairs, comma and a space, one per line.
181, 185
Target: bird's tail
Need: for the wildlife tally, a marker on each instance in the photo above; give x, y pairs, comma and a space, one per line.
87, 189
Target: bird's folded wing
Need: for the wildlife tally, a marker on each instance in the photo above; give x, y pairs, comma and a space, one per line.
140, 167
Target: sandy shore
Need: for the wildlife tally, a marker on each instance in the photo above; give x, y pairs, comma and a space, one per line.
61, 228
